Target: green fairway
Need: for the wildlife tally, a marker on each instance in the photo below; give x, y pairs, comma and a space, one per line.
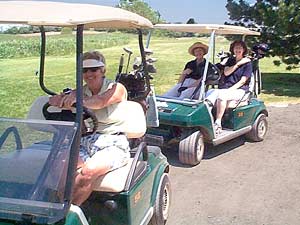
19, 82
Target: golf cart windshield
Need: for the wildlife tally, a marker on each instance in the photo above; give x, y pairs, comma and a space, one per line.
34, 157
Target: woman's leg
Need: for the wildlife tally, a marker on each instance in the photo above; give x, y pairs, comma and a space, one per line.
173, 92
87, 175
112, 152
226, 95
212, 95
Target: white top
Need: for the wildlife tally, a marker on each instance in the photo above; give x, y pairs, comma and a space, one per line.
69, 14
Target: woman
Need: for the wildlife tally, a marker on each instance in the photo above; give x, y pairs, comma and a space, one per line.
235, 82
108, 149
192, 73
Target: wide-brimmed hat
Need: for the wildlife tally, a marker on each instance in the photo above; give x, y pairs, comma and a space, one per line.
90, 63
198, 45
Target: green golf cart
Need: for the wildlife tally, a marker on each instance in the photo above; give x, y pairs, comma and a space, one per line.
189, 122
38, 155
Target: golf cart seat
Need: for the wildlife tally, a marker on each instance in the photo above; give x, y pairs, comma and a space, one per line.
113, 181
122, 178
35, 113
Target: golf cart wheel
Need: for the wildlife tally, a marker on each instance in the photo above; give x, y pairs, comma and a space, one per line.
191, 149
259, 129
162, 201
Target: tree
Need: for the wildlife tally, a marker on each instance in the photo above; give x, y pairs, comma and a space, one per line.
278, 21
141, 8
191, 21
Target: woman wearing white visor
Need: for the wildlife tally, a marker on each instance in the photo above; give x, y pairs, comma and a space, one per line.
108, 148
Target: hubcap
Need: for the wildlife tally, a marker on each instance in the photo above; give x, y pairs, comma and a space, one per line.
261, 129
199, 150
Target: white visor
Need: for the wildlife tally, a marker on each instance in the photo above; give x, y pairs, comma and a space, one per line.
89, 63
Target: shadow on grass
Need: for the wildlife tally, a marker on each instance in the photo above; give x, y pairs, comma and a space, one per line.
281, 84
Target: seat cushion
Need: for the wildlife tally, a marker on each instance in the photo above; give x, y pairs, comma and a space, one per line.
113, 181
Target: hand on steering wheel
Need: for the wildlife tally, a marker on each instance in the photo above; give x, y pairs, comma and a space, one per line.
68, 115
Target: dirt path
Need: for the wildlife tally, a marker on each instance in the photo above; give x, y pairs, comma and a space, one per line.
243, 183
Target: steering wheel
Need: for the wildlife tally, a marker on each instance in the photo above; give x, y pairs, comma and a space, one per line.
68, 115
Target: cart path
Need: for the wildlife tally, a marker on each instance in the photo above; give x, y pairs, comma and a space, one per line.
243, 183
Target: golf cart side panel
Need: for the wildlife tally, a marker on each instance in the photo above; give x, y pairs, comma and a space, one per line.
6, 223
163, 168
107, 208
182, 115
128, 207
142, 196
73, 219
246, 115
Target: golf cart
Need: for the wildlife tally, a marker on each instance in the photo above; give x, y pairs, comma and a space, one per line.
38, 155
189, 122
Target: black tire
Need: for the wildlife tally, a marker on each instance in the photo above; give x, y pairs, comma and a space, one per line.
162, 202
191, 149
259, 129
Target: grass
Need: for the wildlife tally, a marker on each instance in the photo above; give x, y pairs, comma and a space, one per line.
19, 84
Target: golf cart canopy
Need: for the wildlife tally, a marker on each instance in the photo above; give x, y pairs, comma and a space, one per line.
39, 13
207, 28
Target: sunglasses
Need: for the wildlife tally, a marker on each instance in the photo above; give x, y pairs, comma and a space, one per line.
92, 69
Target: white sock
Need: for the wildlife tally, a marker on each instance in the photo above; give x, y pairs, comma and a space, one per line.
218, 122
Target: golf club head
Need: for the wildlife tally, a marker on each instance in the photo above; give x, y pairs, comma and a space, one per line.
148, 51
128, 50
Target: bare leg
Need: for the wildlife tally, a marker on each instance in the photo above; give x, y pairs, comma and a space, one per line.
221, 106
84, 180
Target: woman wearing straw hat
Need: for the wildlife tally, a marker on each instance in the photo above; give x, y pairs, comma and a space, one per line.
192, 73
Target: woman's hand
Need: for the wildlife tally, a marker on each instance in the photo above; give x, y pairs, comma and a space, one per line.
69, 100
243, 61
56, 100
184, 74
63, 100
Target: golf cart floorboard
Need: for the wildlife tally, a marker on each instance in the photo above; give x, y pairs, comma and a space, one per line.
229, 134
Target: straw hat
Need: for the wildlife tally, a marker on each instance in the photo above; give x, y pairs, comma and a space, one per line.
198, 45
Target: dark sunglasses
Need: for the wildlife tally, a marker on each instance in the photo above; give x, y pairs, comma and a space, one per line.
92, 69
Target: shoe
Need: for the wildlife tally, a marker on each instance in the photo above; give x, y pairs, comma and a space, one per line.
218, 128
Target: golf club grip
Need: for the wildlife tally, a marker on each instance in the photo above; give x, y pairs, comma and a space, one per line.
121, 64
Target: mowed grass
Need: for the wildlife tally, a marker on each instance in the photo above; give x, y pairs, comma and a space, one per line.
19, 84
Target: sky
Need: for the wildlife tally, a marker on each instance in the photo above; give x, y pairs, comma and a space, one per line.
203, 11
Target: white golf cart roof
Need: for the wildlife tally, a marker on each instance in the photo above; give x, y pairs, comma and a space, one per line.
40, 13
207, 28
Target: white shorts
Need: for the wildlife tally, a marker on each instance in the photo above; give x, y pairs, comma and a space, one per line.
113, 148
224, 94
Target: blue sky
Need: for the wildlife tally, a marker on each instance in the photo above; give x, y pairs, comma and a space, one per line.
203, 11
